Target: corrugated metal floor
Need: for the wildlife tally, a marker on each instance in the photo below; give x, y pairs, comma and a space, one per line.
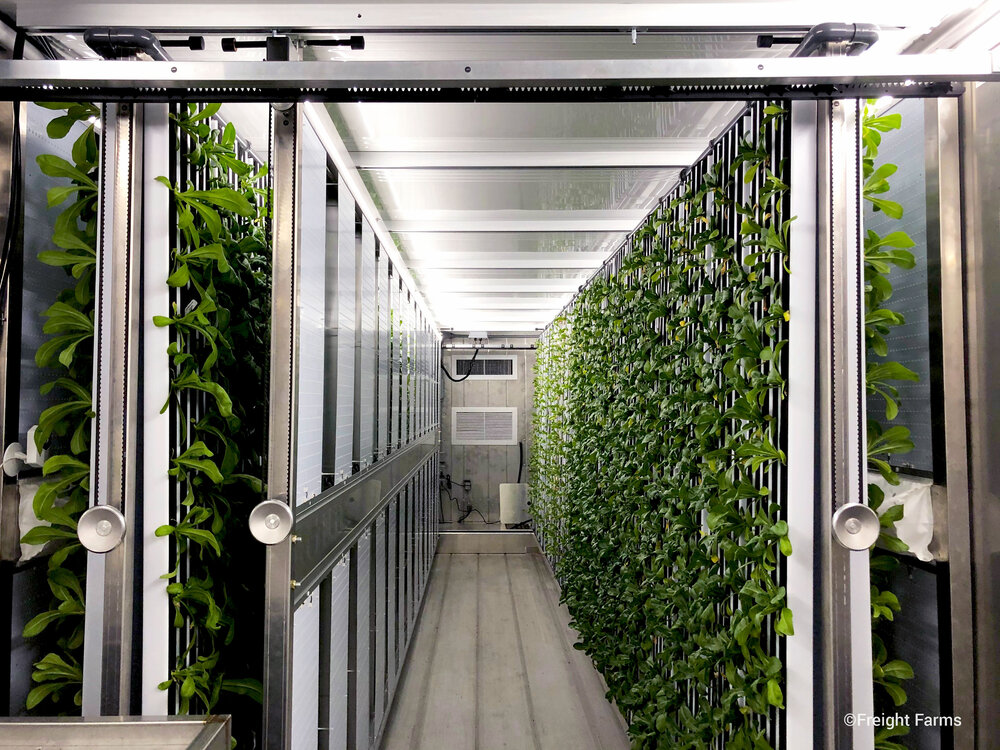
493, 665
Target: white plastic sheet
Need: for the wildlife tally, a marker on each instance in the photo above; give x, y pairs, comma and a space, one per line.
916, 527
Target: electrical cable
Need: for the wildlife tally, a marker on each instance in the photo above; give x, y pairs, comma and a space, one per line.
15, 206
520, 460
467, 511
464, 377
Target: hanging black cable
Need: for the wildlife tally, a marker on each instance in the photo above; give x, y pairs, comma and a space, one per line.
520, 460
464, 377
15, 205
14, 190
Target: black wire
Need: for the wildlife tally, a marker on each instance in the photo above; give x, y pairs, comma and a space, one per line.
14, 207
466, 512
520, 460
464, 377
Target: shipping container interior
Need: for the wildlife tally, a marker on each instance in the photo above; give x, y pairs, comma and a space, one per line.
466, 376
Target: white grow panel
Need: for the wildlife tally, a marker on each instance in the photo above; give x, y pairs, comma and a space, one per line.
339, 644
368, 340
312, 308
346, 261
363, 637
305, 673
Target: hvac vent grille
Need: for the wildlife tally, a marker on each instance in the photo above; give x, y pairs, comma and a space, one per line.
484, 425
486, 368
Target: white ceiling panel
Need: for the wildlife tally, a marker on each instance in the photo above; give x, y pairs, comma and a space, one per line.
405, 192
503, 210
427, 244
448, 126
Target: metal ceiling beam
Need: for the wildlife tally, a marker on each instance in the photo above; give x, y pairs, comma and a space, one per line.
473, 259
470, 317
517, 221
444, 301
493, 326
503, 285
678, 158
507, 80
687, 17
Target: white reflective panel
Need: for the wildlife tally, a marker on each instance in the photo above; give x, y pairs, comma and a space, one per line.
404, 192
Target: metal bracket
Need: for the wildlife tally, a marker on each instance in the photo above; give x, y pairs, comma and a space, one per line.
271, 521
101, 528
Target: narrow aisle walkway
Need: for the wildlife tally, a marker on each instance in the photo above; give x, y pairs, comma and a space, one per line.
492, 665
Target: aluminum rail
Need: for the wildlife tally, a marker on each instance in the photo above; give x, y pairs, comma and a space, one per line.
329, 524
483, 80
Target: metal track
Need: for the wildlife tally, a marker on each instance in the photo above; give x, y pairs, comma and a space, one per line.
552, 80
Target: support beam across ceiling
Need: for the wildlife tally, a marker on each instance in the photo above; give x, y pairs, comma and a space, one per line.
678, 157
504, 260
517, 221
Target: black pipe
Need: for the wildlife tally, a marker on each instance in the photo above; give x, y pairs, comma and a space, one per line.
193, 43
113, 42
860, 36
520, 460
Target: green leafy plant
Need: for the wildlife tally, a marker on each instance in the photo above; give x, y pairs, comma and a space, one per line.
657, 399
64, 427
885, 439
219, 350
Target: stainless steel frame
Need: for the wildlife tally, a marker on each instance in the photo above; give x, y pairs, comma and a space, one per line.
108, 631
189, 732
944, 185
10, 339
282, 427
819, 77
979, 272
845, 613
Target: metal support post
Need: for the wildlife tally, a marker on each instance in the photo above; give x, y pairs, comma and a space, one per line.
845, 611
107, 665
282, 426
945, 205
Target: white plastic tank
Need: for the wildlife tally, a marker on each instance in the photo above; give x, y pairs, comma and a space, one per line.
513, 503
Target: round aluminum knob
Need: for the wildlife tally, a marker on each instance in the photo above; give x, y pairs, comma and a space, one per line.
856, 526
271, 521
101, 528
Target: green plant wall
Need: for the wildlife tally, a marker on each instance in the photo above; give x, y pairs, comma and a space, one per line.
886, 438
64, 428
659, 455
219, 353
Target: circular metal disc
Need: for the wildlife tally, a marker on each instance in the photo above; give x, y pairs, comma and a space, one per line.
271, 521
855, 526
101, 528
